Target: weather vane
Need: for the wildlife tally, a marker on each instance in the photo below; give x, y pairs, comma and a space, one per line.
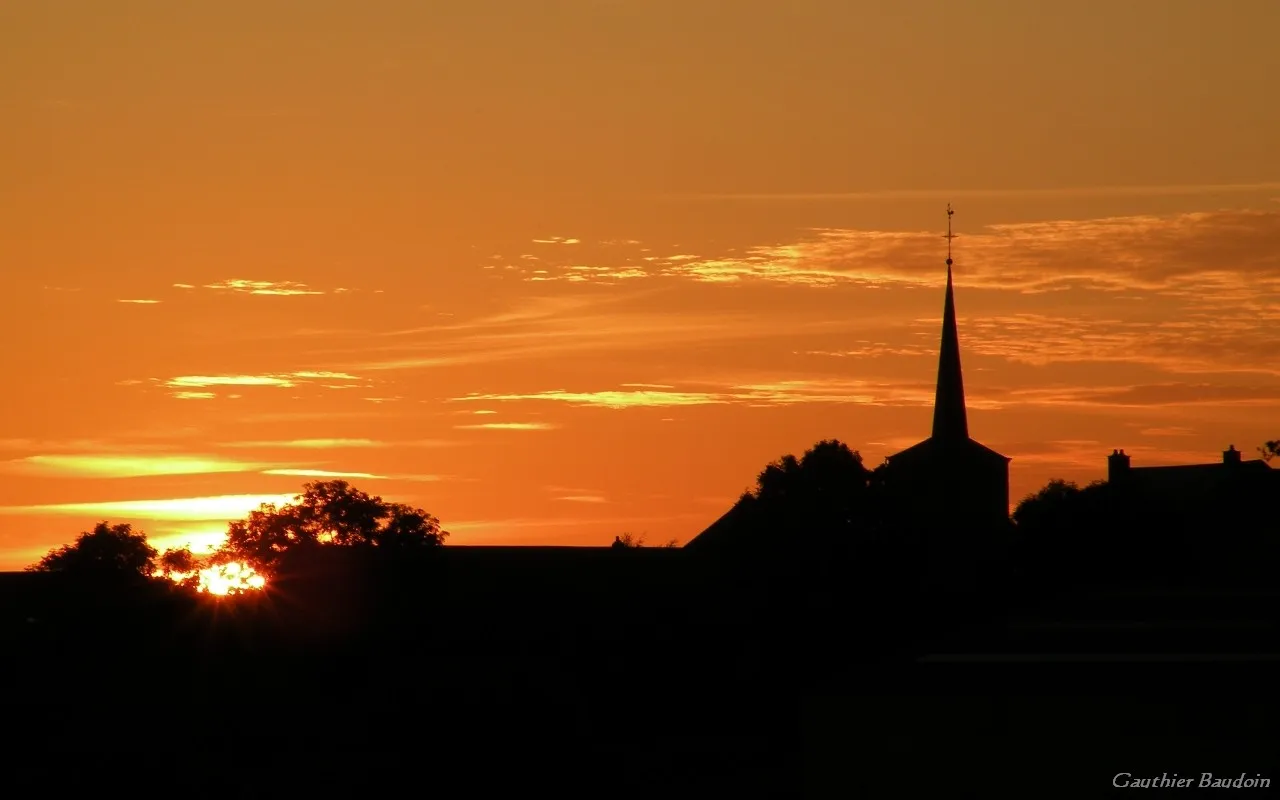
949, 235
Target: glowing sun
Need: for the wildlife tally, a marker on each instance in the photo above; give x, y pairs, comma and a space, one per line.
224, 579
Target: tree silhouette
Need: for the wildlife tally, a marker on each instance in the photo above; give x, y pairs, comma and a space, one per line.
1270, 450
179, 559
180, 565
329, 514
1052, 506
822, 494
108, 551
811, 502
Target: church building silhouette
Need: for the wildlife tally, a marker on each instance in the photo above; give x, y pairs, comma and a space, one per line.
948, 482
950, 476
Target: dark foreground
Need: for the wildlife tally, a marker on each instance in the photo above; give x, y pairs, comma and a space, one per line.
641, 673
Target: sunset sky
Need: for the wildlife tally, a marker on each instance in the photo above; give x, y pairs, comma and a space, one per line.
561, 269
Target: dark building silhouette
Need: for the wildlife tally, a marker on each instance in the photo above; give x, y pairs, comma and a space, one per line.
1184, 483
1201, 521
950, 477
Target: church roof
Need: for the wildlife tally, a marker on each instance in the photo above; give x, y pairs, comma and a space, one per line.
935, 448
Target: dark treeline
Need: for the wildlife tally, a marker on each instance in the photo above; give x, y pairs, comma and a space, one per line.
809, 587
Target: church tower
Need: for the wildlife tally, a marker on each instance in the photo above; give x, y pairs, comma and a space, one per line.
949, 480
950, 421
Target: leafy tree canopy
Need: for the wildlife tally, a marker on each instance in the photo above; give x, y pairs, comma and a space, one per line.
115, 551
330, 514
1270, 450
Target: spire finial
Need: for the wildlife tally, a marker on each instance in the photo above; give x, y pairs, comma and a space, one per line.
950, 235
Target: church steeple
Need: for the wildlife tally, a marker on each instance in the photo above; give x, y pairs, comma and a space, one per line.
950, 421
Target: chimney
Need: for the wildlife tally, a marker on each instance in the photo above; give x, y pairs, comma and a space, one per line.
1117, 465
1231, 455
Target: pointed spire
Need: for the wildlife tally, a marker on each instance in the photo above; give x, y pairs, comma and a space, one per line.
949, 418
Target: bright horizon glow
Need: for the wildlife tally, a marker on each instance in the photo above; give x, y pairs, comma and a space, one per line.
231, 578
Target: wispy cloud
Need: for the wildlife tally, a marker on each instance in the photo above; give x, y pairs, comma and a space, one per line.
193, 395
1196, 292
508, 426
606, 399
341, 474
140, 302
280, 380
332, 376
242, 286
78, 446
333, 444
220, 507
585, 273
556, 240
309, 444
530, 309
998, 194
228, 380
1170, 430
124, 466
1226, 341
784, 392
1147, 395
583, 498
1197, 253
310, 416
577, 334
322, 473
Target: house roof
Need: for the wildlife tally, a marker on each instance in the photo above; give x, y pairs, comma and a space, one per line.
720, 530
1187, 477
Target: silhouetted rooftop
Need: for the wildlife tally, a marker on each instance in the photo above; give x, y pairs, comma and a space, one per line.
1195, 477
934, 448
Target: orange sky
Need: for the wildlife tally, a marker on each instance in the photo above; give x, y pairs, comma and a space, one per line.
558, 270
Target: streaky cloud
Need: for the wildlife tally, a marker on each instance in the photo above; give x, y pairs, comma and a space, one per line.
607, 399
995, 194
508, 426
334, 444
200, 381
322, 473
777, 393
124, 466
308, 444
279, 288
219, 507
281, 380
